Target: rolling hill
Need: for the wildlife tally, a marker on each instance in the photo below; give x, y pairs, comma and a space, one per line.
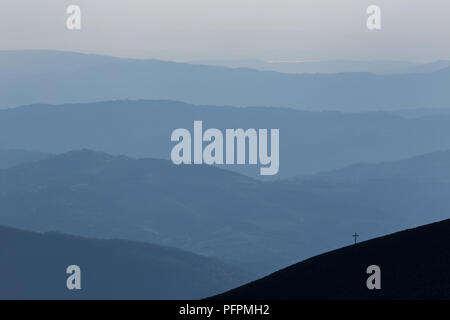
260, 226
414, 264
65, 77
309, 141
33, 266
430, 166
97, 195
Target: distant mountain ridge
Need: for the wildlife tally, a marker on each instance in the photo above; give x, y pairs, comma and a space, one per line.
310, 142
429, 166
11, 158
33, 266
413, 263
325, 66
428, 67
61, 77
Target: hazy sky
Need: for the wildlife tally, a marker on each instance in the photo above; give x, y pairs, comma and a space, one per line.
417, 30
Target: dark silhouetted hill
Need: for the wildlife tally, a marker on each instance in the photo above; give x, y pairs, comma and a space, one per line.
33, 266
66, 77
415, 264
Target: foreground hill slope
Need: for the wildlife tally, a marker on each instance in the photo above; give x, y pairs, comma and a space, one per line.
33, 266
415, 264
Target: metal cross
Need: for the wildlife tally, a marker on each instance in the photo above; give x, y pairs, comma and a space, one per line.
356, 236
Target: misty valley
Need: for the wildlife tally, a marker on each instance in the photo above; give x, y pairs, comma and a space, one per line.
188, 181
